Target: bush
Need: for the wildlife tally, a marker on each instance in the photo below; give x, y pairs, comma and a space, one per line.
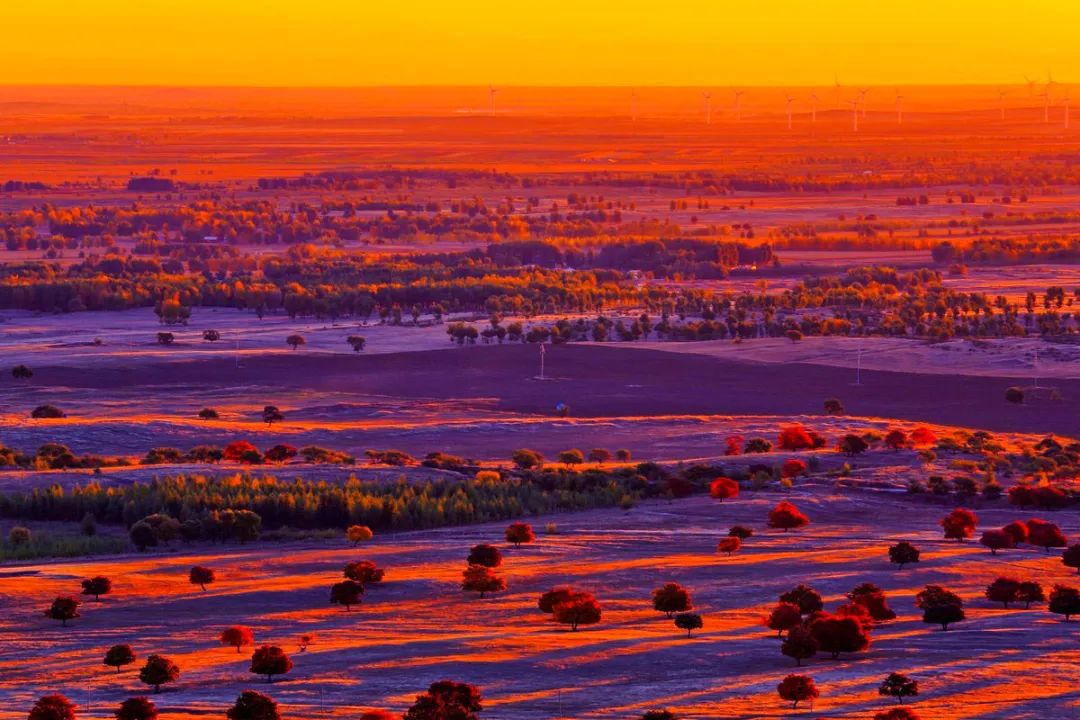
159, 671
757, 445
19, 536
527, 459
740, 531
346, 593
959, 524
729, 545
357, 534
118, 656
486, 555
47, 412
688, 622
364, 572
723, 488
519, 533
1014, 395
794, 437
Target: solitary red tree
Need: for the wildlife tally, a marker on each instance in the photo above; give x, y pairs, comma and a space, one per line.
729, 545
797, 689
346, 593
903, 553
201, 576
97, 586
237, 636
723, 488
158, 671
899, 686
519, 533
63, 609
786, 516
486, 555
119, 655
672, 598
270, 660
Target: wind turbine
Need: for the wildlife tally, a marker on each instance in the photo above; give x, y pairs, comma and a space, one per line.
813, 106
899, 109
491, 99
738, 104
787, 109
862, 99
1031, 86
1001, 103
708, 107
836, 89
854, 114
1046, 105
1050, 83
633, 105
1066, 100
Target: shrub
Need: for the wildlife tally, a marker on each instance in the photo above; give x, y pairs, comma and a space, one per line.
1017, 530
236, 636
253, 705
364, 572
21, 372
757, 445
599, 455
47, 412
1014, 395
201, 576
852, 445
118, 656
480, 579
729, 545
895, 440
295, 340
19, 536
281, 453
447, 699
899, 686
688, 622
797, 689
63, 609
903, 553
622, 455
833, 407
672, 598
270, 660
723, 488
520, 532
740, 531
159, 671
959, 524
357, 534
357, 342
786, 516
792, 468
794, 437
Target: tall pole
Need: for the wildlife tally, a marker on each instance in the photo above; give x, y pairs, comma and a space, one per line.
542, 353
858, 364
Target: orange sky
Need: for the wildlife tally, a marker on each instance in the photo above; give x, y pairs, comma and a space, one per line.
554, 42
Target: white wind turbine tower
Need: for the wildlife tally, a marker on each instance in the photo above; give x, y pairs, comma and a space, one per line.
708, 107
1046, 105
854, 114
1031, 86
813, 106
738, 104
491, 99
862, 100
1001, 103
633, 105
836, 89
899, 109
787, 109
1066, 100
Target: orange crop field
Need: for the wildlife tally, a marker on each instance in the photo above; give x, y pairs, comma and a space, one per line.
486, 361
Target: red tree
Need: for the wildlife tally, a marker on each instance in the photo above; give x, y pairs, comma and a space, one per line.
52, 707
729, 545
959, 524
1045, 534
137, 708
519, 532
672, 598
237, 636
581, 608
793, 468
797, 689
794, 437
270, 660
997, 540
1071, 557
786, 516
723, 488
446, 700
783, 618
835, 634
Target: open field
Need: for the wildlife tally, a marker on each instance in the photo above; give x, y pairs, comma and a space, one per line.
419, 627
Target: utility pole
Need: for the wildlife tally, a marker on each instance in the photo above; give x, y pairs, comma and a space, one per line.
542, 353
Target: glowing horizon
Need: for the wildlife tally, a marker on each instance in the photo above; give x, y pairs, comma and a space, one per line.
693, 43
